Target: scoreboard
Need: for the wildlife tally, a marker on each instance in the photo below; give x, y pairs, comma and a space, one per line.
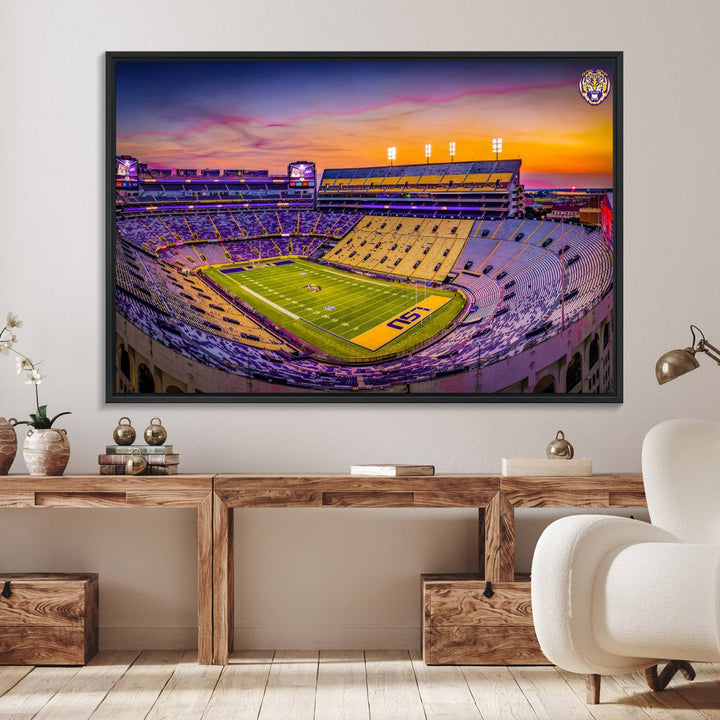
301, 174
126, 173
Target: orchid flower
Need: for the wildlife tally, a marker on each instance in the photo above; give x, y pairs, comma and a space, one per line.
28, 369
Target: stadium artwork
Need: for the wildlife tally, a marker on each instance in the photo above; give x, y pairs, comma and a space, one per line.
364, 227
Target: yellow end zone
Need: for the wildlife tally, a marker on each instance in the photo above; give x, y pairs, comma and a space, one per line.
394, 327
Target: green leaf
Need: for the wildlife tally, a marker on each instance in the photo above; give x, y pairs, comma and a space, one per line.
67, 412
42, 411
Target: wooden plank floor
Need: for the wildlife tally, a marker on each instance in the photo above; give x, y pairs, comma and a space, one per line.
344, 685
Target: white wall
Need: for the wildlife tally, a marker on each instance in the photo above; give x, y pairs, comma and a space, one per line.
331, 578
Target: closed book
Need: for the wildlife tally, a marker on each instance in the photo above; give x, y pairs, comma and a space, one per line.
144, 449
162, 470
149, 470
112, 470
173, 459
392, 470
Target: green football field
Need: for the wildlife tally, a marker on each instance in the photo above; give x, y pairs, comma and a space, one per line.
342, 314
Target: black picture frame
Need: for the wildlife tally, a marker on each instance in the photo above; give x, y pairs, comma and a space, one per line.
113, 395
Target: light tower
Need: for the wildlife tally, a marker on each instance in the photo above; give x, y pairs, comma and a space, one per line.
452, 151
392, 154
497, 147
428, 152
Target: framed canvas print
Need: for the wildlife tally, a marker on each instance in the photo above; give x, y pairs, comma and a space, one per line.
364, 227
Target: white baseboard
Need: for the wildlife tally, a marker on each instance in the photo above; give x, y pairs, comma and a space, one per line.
265, 637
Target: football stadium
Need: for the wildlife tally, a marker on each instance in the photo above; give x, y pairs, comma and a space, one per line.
419, 278
333, 271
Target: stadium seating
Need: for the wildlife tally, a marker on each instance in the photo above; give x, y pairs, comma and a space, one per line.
250, 190
269, 222
535, 281
185, 298
178, 227
519, 276
152, 232
484, 293
417, 248
481, 174
153, 252
202, 227
228, 227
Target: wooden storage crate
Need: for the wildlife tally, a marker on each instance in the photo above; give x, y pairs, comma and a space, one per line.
48, 618
461, 626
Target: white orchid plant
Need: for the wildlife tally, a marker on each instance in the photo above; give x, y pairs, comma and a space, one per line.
29, 369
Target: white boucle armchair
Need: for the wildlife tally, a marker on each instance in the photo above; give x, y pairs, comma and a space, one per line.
614, 595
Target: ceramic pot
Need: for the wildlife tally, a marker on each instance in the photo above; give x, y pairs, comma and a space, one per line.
46, 452
8, 444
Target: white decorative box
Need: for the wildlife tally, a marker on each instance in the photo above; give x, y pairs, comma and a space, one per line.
547, 467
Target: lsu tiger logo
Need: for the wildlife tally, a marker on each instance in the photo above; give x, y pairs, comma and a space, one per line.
594, 86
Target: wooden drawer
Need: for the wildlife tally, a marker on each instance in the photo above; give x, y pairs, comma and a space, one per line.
48, 619
462, 626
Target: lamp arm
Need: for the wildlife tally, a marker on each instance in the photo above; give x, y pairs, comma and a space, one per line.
710, 350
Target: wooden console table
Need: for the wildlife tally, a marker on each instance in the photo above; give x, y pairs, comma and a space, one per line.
495, 497
110, 491
215, 498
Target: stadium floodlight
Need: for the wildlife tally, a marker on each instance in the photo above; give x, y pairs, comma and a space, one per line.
428, 152
452, 151
497, 146
392, 154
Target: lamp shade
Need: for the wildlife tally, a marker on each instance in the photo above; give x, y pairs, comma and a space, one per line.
675, 363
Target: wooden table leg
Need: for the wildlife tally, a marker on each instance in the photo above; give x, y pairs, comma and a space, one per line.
499, 518
223, 581
205, 580
481, 541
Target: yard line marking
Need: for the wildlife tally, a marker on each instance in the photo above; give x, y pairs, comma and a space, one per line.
269, 302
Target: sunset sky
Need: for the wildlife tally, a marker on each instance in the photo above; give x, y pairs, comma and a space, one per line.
262, 114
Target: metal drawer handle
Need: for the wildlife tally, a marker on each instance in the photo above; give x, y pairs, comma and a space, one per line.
6, 592
488, 592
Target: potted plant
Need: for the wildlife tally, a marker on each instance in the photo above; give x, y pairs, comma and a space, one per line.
46, 449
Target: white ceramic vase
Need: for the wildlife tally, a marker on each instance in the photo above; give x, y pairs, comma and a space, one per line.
47, 451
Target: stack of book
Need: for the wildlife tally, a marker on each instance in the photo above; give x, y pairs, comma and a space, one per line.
160, 459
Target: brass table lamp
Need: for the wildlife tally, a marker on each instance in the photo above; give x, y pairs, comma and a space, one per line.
677, 362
